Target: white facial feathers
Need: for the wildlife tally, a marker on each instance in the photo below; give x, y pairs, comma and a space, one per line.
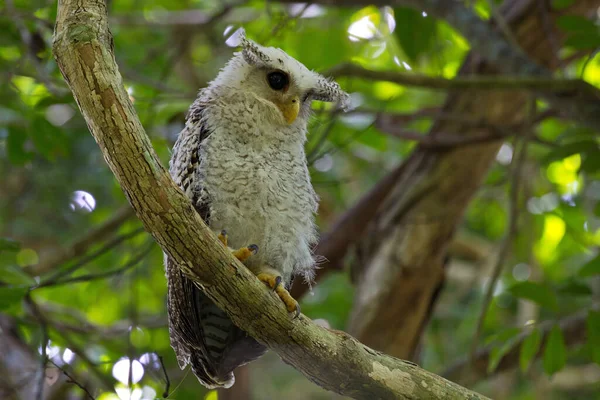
312, 85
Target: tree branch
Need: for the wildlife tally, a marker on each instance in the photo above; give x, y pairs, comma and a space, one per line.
82, 244
332, 359
504, 82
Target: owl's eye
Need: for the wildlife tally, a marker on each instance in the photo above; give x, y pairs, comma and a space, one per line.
278, 80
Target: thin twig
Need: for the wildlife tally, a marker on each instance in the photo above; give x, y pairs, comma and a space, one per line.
83, 243
105, 380
42, 75
518, 161
168, 382
108, 246
288, 19
547, 84
463, 371
71, 379
90, 277
322, 138
550, 33
504, 27
167, 19
39, 390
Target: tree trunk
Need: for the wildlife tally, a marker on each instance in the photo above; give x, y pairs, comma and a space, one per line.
403, 252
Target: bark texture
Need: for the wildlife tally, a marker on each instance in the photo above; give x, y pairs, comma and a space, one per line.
403, 252
332, 359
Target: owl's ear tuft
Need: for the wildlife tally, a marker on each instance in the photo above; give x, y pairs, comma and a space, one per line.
330, 91
252, 52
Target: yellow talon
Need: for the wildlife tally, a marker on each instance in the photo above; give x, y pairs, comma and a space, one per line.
245, 252
223, 237
274, 282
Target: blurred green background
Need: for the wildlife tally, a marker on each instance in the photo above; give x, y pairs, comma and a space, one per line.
66, 227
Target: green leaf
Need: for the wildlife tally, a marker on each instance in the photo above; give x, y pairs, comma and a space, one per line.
575, 23
555, 354
48, 139
8, 244
593, 329
503, 335
574, 288
597, 209
11, 296
529, 349
14, 275
15, 144
561, 4
537, 293
583, 41
568, 149
415, 33
591, 163
590, 268
498, 352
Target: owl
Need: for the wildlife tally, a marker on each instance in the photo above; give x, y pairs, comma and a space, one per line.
240, 159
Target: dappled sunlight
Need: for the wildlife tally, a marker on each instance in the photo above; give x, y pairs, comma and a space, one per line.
81, 200
125, 393
59, 114
312, 11
565, 174
543, 204
27, 257
358, 120
68, 356
234, 39
553, 233
364, 28
521, 272
505, 154
122, 368
212, 395
324, 163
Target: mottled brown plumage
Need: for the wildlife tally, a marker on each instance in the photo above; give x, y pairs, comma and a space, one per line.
240, 159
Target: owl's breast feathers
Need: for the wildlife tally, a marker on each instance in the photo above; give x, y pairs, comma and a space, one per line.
201, 334
256, 178
255, 184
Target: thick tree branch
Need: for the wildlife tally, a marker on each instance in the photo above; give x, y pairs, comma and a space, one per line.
332, 359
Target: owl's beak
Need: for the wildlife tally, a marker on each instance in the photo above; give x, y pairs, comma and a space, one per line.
290, 109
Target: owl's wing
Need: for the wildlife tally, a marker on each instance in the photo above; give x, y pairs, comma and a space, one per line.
201, 334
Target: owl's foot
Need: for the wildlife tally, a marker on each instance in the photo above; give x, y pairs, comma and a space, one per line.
241, 254
275, 283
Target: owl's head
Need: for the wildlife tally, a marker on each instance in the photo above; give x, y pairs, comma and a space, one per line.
276, 79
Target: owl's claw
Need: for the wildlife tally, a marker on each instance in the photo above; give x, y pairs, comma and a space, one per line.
277, 282
253, 248
274, 282
223, 237
241, 254
245, 252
